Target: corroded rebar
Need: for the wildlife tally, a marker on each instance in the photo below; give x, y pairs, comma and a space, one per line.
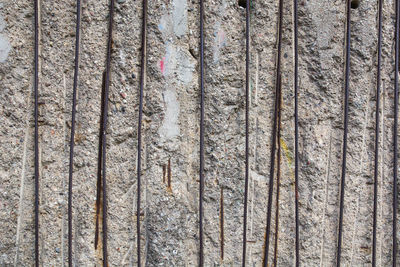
346, 122
274, 129
72, 141
376, 163
246, 186
139, 145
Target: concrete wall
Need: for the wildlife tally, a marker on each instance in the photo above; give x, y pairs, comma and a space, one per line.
171, 131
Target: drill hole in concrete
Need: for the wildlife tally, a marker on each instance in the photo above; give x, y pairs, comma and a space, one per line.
355, 4
242, 3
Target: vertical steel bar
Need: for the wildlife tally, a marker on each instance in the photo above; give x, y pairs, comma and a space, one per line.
36, 111
221, 222
395, 131
72, 142
278, 174
139, 148
104, 135
273, 143
201, 193
99, 165
246, 187
346, 119
296, 131
377, 107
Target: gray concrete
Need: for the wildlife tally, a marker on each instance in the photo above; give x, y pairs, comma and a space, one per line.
4, 43
171, 132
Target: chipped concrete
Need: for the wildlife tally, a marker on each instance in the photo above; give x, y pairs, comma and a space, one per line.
170, 127
179, 17
171, 132
5, 45
5, 48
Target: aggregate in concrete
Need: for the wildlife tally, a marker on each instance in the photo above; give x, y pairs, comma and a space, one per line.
171, 132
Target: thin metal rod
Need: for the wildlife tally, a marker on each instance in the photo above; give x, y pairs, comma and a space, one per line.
72, 143
278, 174
104, 138
201, 193
99, 165
273, 143
246, 186
139, 148
377, 107
296, 131
346, 119
36, 96
221, 222
395, 131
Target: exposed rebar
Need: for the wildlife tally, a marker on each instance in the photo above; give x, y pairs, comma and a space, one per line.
139, 147
36, 111
296, 131
72, 140
395, 131
99, 166
246, 186
377, 107
346, 119
274, 129
104, 135
278, 174
201, 193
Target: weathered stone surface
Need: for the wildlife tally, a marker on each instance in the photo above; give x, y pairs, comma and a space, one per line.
171, 131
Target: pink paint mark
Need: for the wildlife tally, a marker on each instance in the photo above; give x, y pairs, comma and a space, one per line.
162, 67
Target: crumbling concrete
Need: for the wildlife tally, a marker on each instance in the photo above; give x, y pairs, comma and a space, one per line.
171, 131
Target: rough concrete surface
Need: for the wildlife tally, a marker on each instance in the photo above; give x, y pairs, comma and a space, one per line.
171, 132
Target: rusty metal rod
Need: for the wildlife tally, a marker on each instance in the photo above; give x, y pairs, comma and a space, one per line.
221, 221
201, 193
274, 129
104, 135
139, 147
296, 131
345, 123
246, 186
72, 141
99, 165
377, 107
278, 174
36, 111
395, 133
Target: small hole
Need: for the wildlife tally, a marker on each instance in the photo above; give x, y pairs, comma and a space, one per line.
355, 4
242, 3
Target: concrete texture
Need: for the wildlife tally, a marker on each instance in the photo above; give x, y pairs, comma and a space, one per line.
171, 132
4, 43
